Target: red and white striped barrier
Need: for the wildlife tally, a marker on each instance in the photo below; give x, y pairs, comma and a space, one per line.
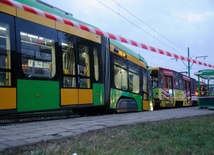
100, 32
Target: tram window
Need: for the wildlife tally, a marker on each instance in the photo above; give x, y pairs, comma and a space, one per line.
84, 66
188, 84
180, 84
2, 78
68, 62
69, 82
3, 51
184, 85
154, 78
120, 63
134, 80
84, 63
134, 68
38, 56
176, 84
160, 79
120, 74
120, 78
96, 66
5, 54
3, 60
170, 82
166, 82
68, 57
154, 82
175, 80
149, 84
85, 83
145, 84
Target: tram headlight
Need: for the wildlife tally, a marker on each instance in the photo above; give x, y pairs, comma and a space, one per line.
151, 106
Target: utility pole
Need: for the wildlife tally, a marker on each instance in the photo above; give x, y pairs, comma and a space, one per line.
188, 63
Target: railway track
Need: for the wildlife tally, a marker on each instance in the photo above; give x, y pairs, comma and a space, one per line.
36, 116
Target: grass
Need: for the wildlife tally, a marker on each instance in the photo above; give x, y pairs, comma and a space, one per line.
185, 136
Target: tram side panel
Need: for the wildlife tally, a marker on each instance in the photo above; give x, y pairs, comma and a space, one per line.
7, 59
51, 65
168, 88
128, 80
34, 76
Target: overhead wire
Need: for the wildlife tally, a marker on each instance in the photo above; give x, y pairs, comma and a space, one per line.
117, 12
148, 25
139, 26
193, 55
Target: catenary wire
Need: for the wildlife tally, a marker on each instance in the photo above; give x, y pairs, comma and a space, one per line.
138, 26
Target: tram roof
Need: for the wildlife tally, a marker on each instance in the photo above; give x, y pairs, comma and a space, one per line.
39, 4
161, 68
128, 50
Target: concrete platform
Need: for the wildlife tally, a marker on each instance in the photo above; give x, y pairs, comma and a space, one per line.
14, 135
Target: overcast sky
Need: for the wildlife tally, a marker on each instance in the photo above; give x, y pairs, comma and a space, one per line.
166, 24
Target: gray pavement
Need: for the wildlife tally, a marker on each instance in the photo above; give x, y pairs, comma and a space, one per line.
28, 133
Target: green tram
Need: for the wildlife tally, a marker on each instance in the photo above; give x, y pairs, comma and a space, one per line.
170, 88
48, 65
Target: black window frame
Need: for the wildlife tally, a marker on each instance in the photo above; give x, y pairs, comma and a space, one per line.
10, 20
78, 40
23, 25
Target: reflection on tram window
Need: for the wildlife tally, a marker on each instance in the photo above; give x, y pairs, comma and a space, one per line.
38, 56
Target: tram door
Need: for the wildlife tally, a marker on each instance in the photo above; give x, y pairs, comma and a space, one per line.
80, 68
187, 92
168, 88
76, 83
145, 90
84, 74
